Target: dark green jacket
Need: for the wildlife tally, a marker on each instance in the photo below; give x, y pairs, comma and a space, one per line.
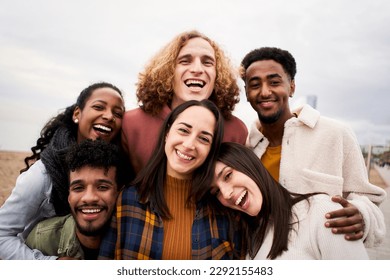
56, 237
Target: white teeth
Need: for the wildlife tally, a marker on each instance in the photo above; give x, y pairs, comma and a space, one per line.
90, 211
194, 82
183, 156
105, 128
240, 198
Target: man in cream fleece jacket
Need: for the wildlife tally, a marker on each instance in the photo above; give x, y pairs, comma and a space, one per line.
306, 152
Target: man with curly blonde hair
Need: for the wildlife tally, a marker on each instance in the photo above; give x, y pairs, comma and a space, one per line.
190, 67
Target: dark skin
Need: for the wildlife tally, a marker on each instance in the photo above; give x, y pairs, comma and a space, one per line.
348, 220
268, 89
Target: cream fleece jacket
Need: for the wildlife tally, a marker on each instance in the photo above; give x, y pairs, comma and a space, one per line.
321, 154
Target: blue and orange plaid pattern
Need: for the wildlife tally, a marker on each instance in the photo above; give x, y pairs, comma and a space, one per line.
136, 232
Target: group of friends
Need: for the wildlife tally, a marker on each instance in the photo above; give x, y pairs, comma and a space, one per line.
180, 177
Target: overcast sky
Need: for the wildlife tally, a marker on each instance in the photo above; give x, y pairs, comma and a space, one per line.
51, 50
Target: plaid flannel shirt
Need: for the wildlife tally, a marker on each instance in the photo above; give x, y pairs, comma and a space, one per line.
136, 232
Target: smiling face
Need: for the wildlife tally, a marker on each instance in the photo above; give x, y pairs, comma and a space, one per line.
92, 197
188, 142
236, 190
195, 72
101, 116
268, 89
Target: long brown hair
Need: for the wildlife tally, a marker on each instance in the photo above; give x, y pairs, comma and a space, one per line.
276, 209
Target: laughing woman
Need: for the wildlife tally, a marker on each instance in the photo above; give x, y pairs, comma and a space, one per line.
41, 190
277, 223
162, 215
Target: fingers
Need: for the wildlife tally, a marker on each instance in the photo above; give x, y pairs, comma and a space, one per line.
348, 220
354, 236
350, 229
338, 199
336, 214
347, 223
348, 211
352, 226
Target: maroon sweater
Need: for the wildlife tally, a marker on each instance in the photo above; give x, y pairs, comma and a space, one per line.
140, 133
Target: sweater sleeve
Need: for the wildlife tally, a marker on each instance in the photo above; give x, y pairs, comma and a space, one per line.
361, 193
355, 172
330, 246
25, 207
235, 130
374, 221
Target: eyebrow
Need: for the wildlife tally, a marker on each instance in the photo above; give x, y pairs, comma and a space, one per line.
190, 126
190, 55
220, 172
105, 102
270, 76
276, 75
75, 182
99, 100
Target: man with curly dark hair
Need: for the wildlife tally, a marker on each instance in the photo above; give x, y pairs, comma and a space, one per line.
95, 177
190, 67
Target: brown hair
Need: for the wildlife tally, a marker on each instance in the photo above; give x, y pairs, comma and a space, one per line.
276, 209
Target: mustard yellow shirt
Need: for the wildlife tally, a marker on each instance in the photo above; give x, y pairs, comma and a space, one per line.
271, 161
177, 231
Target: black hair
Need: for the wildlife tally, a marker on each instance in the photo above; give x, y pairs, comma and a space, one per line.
97, 153
282, 57
65, 119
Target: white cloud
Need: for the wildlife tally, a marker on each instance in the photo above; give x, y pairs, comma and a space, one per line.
50, 51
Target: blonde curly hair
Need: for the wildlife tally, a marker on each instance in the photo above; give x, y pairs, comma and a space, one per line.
155, 83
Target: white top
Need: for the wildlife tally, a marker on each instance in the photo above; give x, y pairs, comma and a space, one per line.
311, 240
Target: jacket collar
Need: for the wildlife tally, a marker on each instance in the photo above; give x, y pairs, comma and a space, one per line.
307, 115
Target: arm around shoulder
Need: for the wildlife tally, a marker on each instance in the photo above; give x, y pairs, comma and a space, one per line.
331, 246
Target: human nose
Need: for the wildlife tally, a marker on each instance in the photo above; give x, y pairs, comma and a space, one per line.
189, 143
197, 66
108, 115
265, 91
226, 190
90, 195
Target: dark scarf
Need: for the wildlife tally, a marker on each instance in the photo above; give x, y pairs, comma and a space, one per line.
53, 157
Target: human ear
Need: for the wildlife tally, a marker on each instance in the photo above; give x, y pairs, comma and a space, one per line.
292, 88
76, 114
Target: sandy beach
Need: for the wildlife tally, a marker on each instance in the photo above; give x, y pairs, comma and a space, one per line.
10, 165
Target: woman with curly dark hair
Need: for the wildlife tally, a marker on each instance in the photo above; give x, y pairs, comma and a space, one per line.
190, 67
41, 190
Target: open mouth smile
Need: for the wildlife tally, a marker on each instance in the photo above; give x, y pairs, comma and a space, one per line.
194, 83
183, 156
242, 199
102, 129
